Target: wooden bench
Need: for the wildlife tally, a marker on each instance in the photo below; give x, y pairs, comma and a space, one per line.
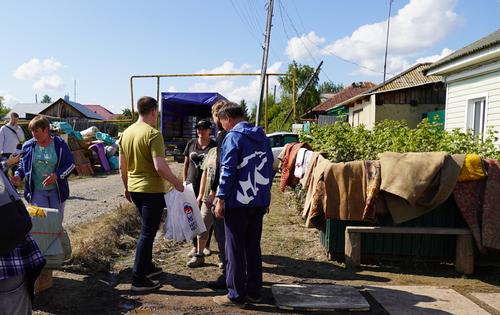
464, 259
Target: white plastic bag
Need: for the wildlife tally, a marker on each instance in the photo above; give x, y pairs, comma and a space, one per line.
184, 221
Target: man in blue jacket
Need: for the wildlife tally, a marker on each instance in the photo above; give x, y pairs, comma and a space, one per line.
244, 195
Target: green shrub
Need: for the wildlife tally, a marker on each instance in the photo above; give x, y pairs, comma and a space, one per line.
341, 142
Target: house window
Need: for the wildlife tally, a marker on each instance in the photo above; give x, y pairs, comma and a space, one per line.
476, 115
356, 117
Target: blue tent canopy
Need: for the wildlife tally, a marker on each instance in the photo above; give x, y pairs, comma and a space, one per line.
189, 104
180, 111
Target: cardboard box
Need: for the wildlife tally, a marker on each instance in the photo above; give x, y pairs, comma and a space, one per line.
44, 281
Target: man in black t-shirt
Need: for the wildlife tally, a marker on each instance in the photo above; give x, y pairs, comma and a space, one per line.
195, 152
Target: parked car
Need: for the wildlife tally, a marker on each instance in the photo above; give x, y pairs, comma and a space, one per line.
278, 141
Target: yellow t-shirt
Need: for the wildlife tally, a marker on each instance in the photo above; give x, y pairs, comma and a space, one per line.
140, 143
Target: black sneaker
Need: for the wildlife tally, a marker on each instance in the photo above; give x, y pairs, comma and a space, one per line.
254, 299
154, 271
219, 284
145, 284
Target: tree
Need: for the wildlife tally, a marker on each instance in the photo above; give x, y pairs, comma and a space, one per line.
46, 99
302, 75
278, 110
4, 110
330, 87
243, 105
126, 112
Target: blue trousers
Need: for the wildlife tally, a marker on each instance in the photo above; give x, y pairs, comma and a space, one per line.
150, 206
48, 199
243, 228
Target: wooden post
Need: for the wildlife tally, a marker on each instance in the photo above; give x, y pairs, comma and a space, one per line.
352, 249
464, 257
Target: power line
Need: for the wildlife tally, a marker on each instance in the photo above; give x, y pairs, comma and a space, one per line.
245, 22
307, 49
251, 29
330, 52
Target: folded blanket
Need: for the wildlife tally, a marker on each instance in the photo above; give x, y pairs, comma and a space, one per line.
416, 183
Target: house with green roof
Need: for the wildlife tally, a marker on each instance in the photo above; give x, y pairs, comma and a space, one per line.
472, 77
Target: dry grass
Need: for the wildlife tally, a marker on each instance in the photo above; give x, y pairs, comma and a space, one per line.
97, 243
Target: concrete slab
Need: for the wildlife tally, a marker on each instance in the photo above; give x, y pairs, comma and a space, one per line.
318, 298
492, 299
423, 300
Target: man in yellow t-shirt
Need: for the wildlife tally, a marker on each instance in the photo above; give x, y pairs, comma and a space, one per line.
143, 170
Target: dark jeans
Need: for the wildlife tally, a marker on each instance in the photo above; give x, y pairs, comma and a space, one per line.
150, 208
243, 228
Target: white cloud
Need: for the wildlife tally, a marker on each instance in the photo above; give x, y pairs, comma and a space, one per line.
445, 52
34, 69
304, 47
9, 100
50, 82
233, 88
417, 26
226, 67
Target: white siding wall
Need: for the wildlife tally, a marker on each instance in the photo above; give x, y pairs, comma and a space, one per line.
459, 91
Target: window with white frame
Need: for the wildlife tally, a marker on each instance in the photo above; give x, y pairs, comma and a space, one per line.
476, 115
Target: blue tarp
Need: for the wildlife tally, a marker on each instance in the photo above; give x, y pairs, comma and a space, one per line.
180, 111
189, 104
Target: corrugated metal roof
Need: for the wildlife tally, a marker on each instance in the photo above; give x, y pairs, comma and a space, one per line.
411, 77
485, 42
101, 111
345, 94
84, 110
414, 76
28, 108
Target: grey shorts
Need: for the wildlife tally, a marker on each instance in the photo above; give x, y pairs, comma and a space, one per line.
208, 218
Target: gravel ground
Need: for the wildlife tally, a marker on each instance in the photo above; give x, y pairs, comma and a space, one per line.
92, 196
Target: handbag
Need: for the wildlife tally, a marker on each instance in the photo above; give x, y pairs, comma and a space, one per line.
15, 222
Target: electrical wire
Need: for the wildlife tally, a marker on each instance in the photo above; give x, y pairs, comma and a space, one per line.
329, 52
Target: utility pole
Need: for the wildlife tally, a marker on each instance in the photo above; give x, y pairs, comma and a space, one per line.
74, 90
387, 38
265, 55
306, 86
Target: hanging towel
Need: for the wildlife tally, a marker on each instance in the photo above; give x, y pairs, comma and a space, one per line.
373, 180
311, 164
472, 169
345, 190
298, 172
315, 177
288, 165
469, 199
491, 207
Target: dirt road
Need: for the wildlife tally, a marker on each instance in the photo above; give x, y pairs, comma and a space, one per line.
291, 253
94, 196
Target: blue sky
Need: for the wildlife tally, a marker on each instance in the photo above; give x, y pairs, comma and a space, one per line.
100, 44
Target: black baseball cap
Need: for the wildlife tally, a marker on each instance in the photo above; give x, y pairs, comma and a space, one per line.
204, 124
